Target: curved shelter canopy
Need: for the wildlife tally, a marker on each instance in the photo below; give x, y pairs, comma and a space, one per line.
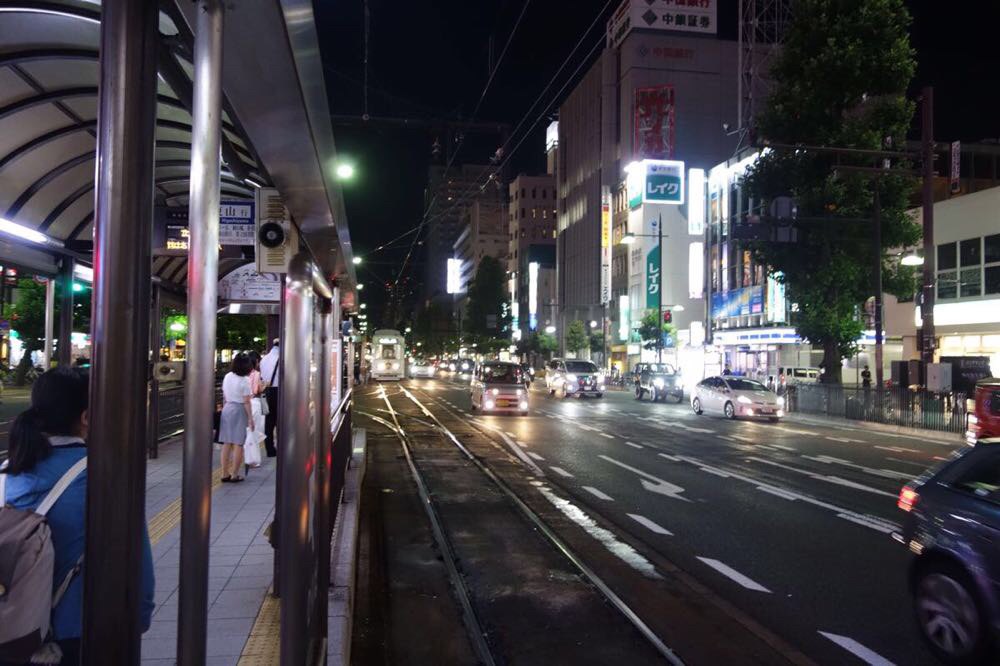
49, 75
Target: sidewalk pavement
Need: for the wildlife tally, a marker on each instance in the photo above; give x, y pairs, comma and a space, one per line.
240, 565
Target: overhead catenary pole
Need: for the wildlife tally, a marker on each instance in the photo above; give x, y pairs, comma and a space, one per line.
123, 221
203, 271
64, 351
659, 290
926, 338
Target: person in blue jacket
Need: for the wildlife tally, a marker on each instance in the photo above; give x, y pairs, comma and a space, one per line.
45, 441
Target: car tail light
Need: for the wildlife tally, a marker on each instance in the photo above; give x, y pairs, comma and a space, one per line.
907, 498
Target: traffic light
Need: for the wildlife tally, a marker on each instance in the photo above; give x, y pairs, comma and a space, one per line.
668, 317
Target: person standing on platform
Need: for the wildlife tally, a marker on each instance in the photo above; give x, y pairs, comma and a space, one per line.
47, 444
271, 374
237, 416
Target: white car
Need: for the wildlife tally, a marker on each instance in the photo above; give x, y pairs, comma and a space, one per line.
735, 397
422, 369
498, 386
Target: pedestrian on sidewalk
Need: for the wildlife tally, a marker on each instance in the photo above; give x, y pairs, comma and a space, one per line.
46, 441
237, 417
258, 402
270, 372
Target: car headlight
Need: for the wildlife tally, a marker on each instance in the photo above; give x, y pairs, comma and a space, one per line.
520, 391
495, 391
745, 400
571, 378
524, 405
658, 383
488, 404
465, 366
781, 401
451, 366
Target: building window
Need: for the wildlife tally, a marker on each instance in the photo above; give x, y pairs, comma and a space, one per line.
545, 192
971, 274
522, 214
991, 245
523, 190
545, 213
970, 252
534, 194
947, 258
947, 284
991, 257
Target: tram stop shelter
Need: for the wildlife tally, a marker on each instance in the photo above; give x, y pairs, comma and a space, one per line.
109, 111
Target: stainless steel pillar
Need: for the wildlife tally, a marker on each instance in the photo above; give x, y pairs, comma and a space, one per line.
203, 270
153, 404
296, 447
65, 350
123, 218
50, 321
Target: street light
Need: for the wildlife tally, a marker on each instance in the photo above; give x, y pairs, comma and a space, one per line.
408, 329
344, 171
912, 259
364, 306
550, 329
361, 286
356, 260
628, 239
177, 327
593, 323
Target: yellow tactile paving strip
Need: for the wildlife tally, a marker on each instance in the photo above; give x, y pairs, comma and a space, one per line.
170, 516
262, 647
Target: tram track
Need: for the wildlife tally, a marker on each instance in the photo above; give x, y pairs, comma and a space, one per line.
429, 424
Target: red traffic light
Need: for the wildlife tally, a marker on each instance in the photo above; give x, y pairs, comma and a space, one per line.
668, 317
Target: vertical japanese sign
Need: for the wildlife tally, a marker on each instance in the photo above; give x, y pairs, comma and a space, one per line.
653, 123
653, 278
605, 244
956, 166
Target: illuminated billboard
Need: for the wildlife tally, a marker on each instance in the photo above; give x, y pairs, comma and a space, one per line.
454, 276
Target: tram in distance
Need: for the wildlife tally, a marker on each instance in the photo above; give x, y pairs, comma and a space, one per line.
388, 356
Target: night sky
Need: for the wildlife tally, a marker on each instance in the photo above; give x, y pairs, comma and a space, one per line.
430, 60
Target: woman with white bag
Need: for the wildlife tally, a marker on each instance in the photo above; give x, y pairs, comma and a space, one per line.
255, 435
236, 418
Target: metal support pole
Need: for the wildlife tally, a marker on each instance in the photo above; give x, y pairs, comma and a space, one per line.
296, 538
50, 321
65, 350
123, 222
927, 338
153, 405
659, 291
877, 268
203, 272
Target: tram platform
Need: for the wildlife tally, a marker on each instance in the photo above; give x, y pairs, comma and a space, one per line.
243, 624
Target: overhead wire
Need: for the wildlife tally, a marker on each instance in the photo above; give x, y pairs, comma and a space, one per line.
425, 220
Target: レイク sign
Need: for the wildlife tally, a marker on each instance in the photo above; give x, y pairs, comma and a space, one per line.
655, 181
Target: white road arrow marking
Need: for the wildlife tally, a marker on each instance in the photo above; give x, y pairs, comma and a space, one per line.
734, 575
651, 483
857, 649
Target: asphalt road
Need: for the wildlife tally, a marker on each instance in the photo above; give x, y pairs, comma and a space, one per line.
789, 522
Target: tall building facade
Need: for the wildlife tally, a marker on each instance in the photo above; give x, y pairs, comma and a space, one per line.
661, 90
531, 252
448, 195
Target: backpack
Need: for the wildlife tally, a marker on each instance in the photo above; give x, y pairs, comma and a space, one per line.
27, 559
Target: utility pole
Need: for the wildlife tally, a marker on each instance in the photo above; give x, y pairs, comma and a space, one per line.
877, 272
927, 338
659, 291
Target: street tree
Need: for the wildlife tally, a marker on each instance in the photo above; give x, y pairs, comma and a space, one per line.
840, 81
576, 337
487, 318
651, 329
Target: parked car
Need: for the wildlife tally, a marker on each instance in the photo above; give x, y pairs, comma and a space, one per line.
952, 526
565, 377
737, 397
984, 416
801, 375
422, 368
658, 380
498, 386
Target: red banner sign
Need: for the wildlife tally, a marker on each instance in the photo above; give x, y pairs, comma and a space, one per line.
653, 125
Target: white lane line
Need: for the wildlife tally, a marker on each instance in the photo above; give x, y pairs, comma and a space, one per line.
734, 575
670, 457
534, 455
561, 472
649, 482
510, 434
794, 431
940, 458
604, 434
716, 472
586, 427
822, 477
523, 445
693, 429
597, 493
516, 449
897, 449
857, 649
790, 449
881, 471
878, 527
634, 445
649, 524
842, 440
778, 492
749, 440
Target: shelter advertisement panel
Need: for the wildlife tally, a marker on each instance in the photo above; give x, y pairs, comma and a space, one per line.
653, 123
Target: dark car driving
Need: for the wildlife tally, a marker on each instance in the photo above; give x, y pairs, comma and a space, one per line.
658, 381
953, 527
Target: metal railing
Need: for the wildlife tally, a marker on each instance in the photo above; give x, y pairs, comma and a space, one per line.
897, 406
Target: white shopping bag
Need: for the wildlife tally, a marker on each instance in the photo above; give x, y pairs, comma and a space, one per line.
251, 447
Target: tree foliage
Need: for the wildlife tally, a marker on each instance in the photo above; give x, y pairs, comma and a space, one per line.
242, 332
650, 329
840, 81
576, 337
487, 319
434, 329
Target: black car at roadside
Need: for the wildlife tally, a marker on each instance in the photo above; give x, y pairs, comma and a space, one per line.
658, 381
952, 526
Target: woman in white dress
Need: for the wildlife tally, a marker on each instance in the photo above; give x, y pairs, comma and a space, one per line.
237, 416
